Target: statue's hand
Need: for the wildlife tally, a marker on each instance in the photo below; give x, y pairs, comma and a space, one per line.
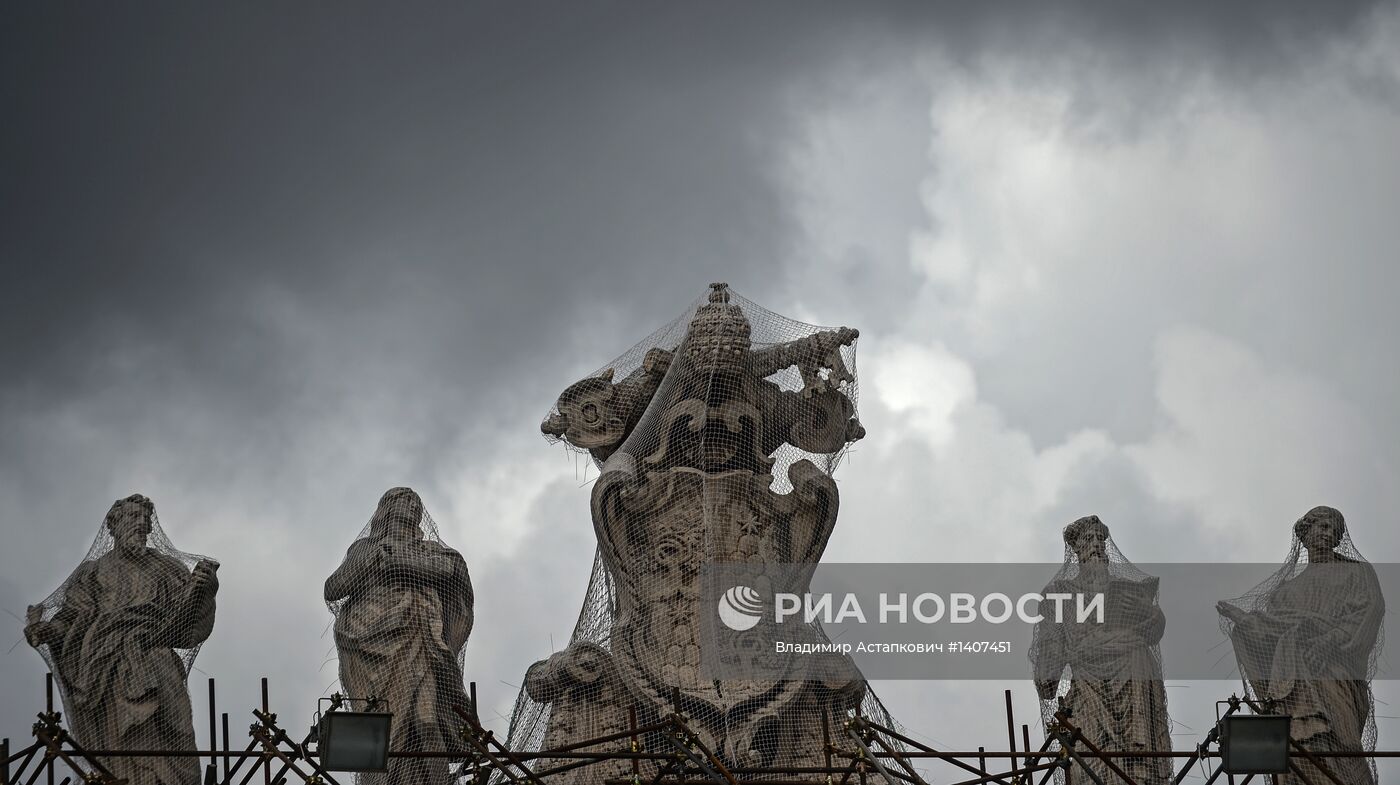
405, 562
1138, 607
203, 578
36, 631
845, 336
397, 561
1231, 612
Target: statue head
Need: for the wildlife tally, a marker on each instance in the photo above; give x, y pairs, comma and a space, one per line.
1321, 529
719, 335
130, 521
1087, 538
398, 515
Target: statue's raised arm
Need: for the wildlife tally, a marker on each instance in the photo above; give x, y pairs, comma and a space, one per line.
817, 358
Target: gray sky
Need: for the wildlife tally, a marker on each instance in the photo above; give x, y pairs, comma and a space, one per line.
262, 262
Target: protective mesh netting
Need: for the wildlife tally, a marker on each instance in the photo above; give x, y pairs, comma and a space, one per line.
1308, 638
1107, 675
120, 636
715, 439
402, 601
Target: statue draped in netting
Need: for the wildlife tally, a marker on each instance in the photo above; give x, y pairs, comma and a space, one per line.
120, 636
402, 601
1308, 638
1107, 674
715, 438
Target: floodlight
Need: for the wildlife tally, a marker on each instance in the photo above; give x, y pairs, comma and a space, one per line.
354, 740
1254, 744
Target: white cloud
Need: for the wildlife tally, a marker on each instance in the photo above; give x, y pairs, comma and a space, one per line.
489, 503
922, 385
1250, 447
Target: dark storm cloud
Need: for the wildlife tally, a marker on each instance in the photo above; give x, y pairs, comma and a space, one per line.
262, 214
248, 208
481, 177
166, 164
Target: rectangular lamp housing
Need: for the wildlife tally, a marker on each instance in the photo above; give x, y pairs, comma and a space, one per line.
355, 740
1254, 744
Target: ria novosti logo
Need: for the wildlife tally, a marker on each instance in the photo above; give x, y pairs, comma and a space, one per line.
740, 608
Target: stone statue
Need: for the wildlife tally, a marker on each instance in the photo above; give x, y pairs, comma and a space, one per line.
715, 446
1307, 639
120, 636
1114, 693
403, 606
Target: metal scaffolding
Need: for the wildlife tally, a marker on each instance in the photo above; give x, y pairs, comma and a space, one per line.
859, 751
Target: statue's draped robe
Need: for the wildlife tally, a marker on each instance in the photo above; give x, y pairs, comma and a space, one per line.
1116, 695
1287, 652
399, 640
123, 683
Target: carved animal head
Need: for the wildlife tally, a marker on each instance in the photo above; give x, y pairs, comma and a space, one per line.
587, 415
